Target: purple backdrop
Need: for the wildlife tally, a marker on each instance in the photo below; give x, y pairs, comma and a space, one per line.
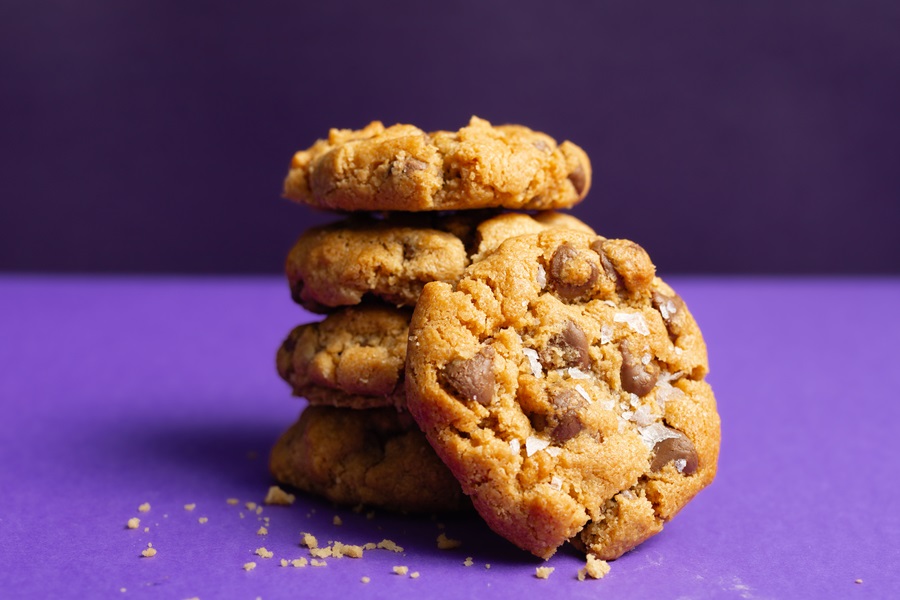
726, 137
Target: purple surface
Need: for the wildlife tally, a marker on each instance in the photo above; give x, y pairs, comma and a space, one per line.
115, 392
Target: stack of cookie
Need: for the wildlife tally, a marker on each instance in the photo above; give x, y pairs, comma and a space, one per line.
480, 348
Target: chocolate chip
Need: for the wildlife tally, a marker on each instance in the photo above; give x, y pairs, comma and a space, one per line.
290, 342
678, 448
637, 377
471, 378
579, 179
568, 348
412, 165
606, 264
672, 310
565, 420
571, 272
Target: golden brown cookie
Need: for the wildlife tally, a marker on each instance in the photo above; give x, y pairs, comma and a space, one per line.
562, 383
374, 457
406, 169
354, 358
391, 258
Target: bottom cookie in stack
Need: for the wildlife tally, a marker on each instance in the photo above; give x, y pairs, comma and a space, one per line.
372, 457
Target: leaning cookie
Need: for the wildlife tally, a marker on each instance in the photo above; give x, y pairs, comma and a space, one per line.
372, 457
563, 385
393, 257
406, 169
354, 358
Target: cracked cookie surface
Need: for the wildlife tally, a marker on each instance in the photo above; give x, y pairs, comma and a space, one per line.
562, 383
390, 259
375, 457
403, 168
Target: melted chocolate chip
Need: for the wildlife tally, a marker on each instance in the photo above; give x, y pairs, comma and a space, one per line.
571, 273
637, 377
608, 269
675, 449
579, 179
471, 378
568, 348
565, 421
672, 310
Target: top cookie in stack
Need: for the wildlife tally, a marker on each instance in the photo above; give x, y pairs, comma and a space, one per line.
559, 383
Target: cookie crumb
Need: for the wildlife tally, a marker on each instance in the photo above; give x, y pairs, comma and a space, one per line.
594, 568
284, 562
317, 563
365, 579
445, 543
123, 590
468, 562
325, 552
203, 520
190, 506
148, 551
389, 545
262, 552
133, 523
543, 572
249, 566
487, 565
369, 546
351, 551
262, 531
309, 540
146, 529
414, 575
299, 562
279, 497
250, 505
858, 581
145, 507
401, 570
232, 501
337, 520
259, 510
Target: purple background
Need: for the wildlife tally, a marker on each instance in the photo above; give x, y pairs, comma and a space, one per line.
119, 391
752, 137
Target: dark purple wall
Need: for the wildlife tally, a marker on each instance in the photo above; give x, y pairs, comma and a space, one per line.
153, 136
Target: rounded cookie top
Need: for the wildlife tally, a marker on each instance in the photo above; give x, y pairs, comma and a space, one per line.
404, 168
392, 258
558, 375
374, 457
354, 358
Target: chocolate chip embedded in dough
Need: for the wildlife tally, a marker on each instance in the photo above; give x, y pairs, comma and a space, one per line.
632, 263
471, 378
578, 177
565, 420
572, 273
637, 377
678, 449
412, 165
568, 348
672, 310
608, 268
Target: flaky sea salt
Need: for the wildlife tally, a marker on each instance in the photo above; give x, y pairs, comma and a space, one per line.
680, 464
606, 334
576, 373
541, 278
634, 320
667, 309
515, 446
534, 444
533, 361
556, 483
645, 359
583, 392
653, 434
553, 451
642, 416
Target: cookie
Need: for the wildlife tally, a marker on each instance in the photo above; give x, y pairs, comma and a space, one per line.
354, 358
374, 457
406, 169
393, 257
562, 383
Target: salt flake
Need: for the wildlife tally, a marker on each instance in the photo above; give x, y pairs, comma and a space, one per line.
606, 334
534, 444
541, 277
576, 373
653, 434
556, 482
634, 320
553, 451
533, 361
583, 392
515, 446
